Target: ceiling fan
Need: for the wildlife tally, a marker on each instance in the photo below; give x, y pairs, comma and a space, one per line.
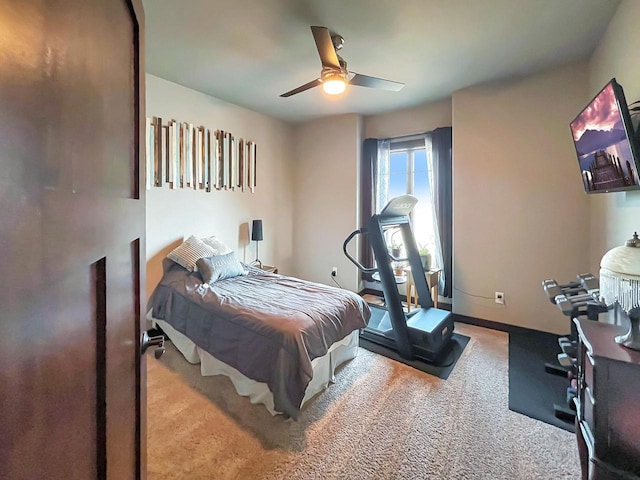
335, 76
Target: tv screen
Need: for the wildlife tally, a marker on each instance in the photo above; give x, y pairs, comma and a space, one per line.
606, 143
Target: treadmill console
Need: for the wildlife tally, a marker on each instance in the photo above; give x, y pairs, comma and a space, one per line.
398, 206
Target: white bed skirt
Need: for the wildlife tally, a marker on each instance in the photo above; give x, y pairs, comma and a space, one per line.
323, 367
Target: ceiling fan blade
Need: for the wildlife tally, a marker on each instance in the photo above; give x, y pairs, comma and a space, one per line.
327, 52
302, 88
374, 82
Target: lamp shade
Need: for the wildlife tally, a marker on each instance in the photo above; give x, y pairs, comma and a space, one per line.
620, 275
256, 230
620, 286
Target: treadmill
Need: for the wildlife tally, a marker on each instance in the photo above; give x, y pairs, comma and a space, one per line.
424, 333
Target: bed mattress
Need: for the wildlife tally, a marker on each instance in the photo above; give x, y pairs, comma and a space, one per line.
268, 327
323, 367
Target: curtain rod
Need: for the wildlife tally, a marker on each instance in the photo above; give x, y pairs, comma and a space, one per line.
406, 138
413, 136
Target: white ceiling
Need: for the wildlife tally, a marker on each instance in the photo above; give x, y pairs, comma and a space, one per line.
248, 52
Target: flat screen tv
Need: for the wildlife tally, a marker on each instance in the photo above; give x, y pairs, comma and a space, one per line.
606, 143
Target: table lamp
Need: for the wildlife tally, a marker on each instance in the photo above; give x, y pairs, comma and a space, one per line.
620, 282
256, 235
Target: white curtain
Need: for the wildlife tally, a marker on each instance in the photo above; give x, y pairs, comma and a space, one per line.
382, 175
437, 257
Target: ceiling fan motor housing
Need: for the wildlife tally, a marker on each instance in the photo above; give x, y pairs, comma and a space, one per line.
338, 41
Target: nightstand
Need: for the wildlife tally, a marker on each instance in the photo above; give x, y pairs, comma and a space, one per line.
269, 268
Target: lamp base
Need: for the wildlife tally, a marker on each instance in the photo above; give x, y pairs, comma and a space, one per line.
631, 339
256, 262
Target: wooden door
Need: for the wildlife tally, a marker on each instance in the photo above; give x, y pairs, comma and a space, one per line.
72, 226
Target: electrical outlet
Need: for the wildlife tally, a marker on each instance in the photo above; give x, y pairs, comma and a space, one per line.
499, 298
334, 271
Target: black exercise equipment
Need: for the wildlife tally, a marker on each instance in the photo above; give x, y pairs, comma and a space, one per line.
574, 299
423, 333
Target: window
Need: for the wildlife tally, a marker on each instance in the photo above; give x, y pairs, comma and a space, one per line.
419, 165
403, 168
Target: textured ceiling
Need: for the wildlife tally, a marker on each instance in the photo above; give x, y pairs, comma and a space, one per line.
248, 52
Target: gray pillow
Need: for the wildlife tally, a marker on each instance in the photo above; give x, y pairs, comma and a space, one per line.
219, 267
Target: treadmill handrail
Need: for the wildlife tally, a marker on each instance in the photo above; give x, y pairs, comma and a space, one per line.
361, 267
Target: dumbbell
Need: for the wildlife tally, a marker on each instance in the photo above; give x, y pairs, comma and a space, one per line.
569, 349
553, 289
588, 282
579, 299
566, 360
569, 305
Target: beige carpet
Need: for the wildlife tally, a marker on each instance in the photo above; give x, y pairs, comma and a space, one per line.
380, 420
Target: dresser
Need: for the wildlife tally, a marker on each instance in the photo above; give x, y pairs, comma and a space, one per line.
608, 403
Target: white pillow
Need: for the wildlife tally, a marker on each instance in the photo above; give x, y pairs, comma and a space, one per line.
221, 248
191, 250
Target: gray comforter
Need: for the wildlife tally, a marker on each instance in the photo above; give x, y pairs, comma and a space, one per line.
269, 327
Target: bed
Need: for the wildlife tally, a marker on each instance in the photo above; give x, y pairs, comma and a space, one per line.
278, 338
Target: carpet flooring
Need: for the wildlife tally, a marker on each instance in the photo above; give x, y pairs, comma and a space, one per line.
380, 420
532, 391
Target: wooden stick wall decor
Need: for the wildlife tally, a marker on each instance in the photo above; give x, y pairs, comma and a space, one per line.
182, 155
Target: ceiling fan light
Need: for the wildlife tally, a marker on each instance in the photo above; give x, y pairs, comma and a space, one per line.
334, 85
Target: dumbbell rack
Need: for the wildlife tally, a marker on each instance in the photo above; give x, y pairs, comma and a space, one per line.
575, 299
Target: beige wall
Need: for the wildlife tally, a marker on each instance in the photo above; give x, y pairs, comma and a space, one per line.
174, 214
615, 216
326, 157
520, 212
397, 123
